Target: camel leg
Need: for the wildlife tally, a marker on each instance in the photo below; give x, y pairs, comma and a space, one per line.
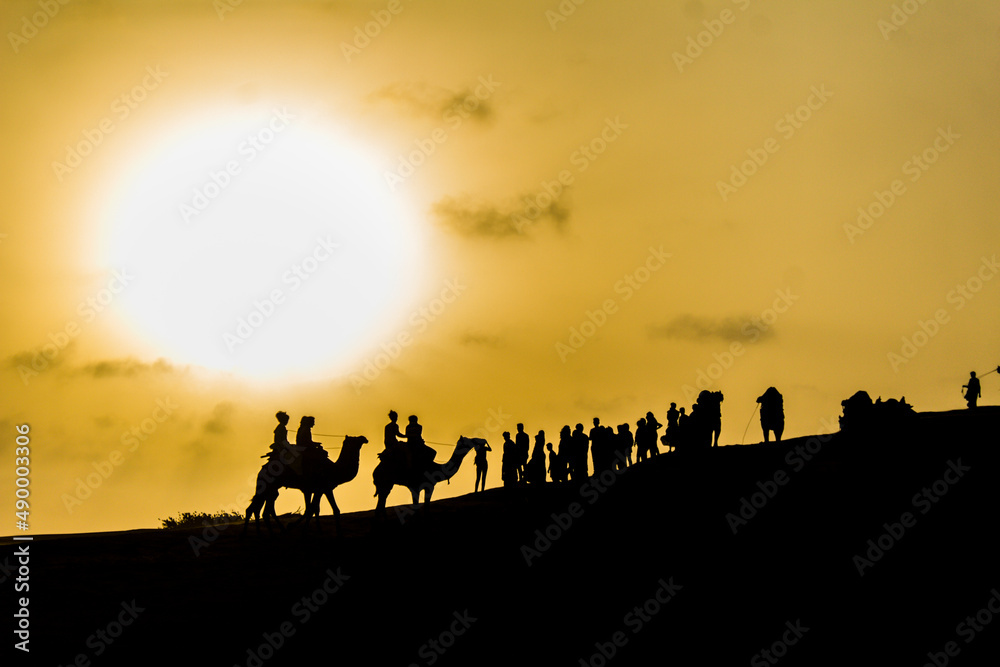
333, 506
382, 494
269, 508
427, 498
254, 510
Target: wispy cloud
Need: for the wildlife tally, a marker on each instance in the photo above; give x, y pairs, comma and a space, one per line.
695, 328
479, 339
467, 218
422, 99
220, 422
128, 367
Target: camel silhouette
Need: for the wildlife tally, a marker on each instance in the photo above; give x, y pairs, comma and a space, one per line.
390, 472
319, 478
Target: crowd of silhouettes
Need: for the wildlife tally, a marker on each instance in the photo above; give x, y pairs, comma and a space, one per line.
605, 447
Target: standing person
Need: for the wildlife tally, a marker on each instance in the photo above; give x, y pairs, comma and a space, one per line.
567, 461
653, 427
580, 447
481, 464
671, 435
556, 469
508, 464
597, 445
640, 440
973, 390
625, 443
535, 470
683, 431
521, 441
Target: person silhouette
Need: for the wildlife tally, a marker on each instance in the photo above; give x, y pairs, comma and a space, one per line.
521, 441
581, 443
392, 432
394, 449
625, 443
973, 390
311, 451
556, 469
653, 427
683, 430
508, 464
280, 431
640, 440
567, 461
421, 454
596, 436
772, 413
670, 436
535, 470
303, 437
481, 464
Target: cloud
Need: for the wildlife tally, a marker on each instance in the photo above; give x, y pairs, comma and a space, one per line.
422, 99
478, 339
221, 421
24, 360
466, 218
128, 367
691, 327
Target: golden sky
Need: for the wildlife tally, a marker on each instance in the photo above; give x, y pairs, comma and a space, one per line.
479, 213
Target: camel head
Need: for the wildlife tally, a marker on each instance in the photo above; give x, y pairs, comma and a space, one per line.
465, 444
355, 440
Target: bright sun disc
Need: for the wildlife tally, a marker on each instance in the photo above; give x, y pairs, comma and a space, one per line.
264, 246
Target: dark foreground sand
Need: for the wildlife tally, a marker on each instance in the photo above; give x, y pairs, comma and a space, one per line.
645, 571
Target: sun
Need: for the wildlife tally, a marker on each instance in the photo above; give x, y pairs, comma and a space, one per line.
263, 244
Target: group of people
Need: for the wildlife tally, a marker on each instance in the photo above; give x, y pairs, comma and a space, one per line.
304, 449
405, 449
608, 448
612, 448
